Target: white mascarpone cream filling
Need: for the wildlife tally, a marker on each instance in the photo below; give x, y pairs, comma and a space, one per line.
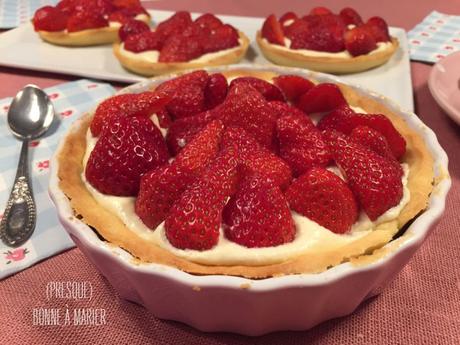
310, 236
153, 55
381, 46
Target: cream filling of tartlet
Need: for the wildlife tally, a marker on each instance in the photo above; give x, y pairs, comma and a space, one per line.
310, 236
153, 55
381, 46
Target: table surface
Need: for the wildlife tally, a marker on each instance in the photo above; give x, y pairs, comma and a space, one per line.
421, 306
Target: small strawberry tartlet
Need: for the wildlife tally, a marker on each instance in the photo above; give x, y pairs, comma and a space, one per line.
179, 43
327, 42
86, 22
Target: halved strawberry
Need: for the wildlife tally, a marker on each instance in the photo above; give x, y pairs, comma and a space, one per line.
147, 40
288, 18
256, 158
86, 20
272, 30
320, 11
379, 29
301, 144
120, 17
269, 91
258, 215
179, 48
142, 104
221, 38
66, 6
132, 27
338, 119
215, 90
128, 148
49, 18
209, 21
284, 109
375, 180
194, 220
320, 98
358, 41
324, 198
350, 16
373, 140
292, 86
175, 24
297, 28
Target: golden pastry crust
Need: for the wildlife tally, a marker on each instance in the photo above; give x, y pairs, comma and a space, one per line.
326, 64
113, 230
149, 69
84, 38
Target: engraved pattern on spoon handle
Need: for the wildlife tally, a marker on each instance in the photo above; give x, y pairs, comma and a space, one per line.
19, 219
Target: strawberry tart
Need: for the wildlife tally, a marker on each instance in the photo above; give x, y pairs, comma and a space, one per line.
86, 22
327, 42
245, 172
179, 43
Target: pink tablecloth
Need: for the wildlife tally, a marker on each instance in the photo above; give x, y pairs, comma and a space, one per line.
422, 306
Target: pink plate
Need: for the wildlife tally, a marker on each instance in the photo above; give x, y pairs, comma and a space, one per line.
444, 84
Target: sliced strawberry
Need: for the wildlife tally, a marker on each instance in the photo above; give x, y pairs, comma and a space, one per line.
175, 24
147, 40
379, 29
375, 180
179, 48
258, 215
288, 18
216, 90
50, 19
358, 41
133, 27
257, 159
269, 91
221, 38
324, 198
320, 11
272, 30
142, 104
127, 149
182, 131
194, 220
292, 86
373, 140
209, 21
86, 20
301, 144
322, 97
350, 16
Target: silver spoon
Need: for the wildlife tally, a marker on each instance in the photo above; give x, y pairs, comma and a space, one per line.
29, 116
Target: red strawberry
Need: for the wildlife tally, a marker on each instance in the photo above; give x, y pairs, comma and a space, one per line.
272, 30
221, 38
49, 18
194, 220
301, 144
187, 93
322, 97
179, 48
176, 24
147, 40
359, 41
132, 27
323, 34
338, 119
269, 91
256, 158
133, 6
128, 148
164, 119
373, 140
209, 21
379, 29
159, 189
287, 17
142, 104
86, 20
284, 109
182, 131
350, 16
320, 11
66, 6
297, 28
120, 17
324, 198
258, 215
375, 180
292, 86
216, 90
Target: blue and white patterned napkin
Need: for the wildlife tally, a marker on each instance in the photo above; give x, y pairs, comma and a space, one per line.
15, 12
436, 36
70, 101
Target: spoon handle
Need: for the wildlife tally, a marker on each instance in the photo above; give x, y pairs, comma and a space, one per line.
18, 222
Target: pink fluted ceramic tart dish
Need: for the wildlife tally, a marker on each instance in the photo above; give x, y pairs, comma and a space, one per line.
236, 198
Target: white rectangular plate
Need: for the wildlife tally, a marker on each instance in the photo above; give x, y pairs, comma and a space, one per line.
23, 48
